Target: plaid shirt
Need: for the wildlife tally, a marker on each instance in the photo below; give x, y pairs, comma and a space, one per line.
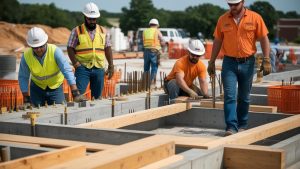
73, 39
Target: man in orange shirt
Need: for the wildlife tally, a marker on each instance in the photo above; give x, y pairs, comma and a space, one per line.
236, 32
186, 69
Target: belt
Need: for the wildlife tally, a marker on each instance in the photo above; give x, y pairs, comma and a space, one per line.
240, 60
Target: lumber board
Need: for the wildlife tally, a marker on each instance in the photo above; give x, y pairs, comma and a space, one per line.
192, 142
132, 155
253, 108
257, 133
165, 162
19, 144
134, 118
46, 159
253, 157
55, 143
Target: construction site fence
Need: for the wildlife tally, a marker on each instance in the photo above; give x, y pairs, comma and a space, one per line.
10, 94
177, 50
286, 98
108, 88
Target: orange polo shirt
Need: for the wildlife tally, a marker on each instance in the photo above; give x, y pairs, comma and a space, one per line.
239, 40
190, 70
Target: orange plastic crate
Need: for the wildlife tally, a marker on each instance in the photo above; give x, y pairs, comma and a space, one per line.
286, 98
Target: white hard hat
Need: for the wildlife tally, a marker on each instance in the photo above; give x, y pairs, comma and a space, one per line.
91, 10
233, 1
36, 37
154, 22
196, 47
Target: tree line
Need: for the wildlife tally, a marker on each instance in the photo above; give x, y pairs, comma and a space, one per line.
201, 18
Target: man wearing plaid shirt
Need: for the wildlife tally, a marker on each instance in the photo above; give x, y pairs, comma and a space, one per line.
88, 46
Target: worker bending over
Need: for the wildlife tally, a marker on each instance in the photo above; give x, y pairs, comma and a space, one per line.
48, 67
186, 69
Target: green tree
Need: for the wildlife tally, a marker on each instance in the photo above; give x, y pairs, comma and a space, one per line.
10, 11
138, 15
268, 13
292, 14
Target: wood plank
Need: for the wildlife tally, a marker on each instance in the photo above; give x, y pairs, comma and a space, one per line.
55, 143
165, 162
19, 144
257, 133
191, 142
46, 159
253, 108
135, 154
134, 118
253, 157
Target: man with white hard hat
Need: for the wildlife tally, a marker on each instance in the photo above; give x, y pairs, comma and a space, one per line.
48, 67
186, 69
88, 46
152, 41
236, 33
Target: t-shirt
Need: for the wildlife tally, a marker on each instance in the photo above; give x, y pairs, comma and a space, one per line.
190, 70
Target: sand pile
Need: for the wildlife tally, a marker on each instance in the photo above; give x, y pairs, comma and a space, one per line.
13, 36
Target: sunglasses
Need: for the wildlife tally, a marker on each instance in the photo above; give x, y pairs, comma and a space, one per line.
195, 56
236, 4
39, 47
91, 19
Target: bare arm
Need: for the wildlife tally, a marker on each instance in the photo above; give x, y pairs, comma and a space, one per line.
108, 55
265, 46
215, 49
71, 54
203, 86
182, 84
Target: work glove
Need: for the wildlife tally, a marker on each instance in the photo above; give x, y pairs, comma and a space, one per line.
77, 97
206, 96
266, 66
110, 71
193, 94
211, 69
26, 101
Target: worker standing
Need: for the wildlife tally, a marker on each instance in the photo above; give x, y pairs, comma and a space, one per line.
152, 40
236, 32
88, 46
47, 66
186, 69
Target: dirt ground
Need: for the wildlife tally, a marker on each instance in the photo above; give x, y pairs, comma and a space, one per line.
13, 36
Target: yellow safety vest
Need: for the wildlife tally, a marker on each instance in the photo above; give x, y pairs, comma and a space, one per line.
47, 74
150, 39
90, 53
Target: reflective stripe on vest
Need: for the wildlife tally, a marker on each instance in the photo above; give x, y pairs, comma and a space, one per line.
90, 53
47, 74
150, 38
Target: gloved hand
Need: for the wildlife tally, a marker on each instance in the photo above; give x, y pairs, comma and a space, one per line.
266, 66
110, 71
206, 96
193, 94
211, 68
77, 97
27, 102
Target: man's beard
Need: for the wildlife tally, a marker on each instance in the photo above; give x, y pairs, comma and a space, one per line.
193, 60
90, 26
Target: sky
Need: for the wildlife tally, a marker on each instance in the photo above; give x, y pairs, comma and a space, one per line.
178, 5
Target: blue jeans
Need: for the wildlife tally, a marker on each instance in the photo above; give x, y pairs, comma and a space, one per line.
236, 102
39, 96
94, 75
173, 89
150, 58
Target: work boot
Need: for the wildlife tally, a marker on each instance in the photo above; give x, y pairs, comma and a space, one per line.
228, 133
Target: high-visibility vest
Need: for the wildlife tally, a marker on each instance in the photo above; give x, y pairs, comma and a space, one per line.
150, 38
90, 53
47, 74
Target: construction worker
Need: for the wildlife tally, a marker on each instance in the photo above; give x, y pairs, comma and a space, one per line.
236, 32
88, 46
186, 69
152, 40
47, 66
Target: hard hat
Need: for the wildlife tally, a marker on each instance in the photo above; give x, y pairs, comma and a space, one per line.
153, 22
233, 1
36, 37
91, 10
196, 47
